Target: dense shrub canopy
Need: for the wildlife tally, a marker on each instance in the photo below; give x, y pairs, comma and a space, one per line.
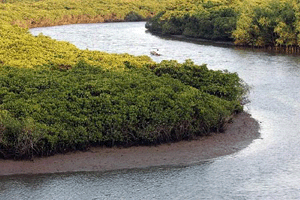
53, 109
255, 23
213, 20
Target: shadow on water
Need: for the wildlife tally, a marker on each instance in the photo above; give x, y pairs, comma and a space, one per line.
192, 40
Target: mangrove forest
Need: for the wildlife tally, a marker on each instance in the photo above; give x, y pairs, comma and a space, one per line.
56, 98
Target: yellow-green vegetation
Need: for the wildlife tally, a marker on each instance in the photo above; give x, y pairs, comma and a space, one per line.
55, 97
19, 48
256, 23
30, 13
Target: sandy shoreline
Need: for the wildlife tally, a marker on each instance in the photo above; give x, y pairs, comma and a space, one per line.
238, 135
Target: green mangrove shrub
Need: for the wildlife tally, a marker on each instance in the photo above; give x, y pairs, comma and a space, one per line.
50, 109
255, 23
206, 19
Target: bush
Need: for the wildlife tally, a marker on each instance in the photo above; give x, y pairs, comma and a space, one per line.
48, 110
207, 20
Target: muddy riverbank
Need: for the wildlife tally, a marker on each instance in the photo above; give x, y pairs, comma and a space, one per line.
239, 134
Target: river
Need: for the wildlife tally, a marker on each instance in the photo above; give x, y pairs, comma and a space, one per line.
269, 168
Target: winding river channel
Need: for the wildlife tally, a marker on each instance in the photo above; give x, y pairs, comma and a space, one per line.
269, 168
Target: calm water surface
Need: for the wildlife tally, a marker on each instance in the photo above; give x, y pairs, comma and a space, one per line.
269, 168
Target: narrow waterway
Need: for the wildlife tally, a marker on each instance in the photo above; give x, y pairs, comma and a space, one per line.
269, 168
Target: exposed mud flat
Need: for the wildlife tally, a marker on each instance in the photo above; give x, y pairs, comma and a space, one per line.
238, 135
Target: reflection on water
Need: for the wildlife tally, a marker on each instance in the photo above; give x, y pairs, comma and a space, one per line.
98, 185
267, 169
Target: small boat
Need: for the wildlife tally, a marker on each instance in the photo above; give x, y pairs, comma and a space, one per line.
154, 53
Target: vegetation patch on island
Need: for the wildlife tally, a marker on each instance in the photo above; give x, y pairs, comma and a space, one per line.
55, 97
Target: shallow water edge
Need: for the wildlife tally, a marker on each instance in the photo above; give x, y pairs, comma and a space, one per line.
238, 135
